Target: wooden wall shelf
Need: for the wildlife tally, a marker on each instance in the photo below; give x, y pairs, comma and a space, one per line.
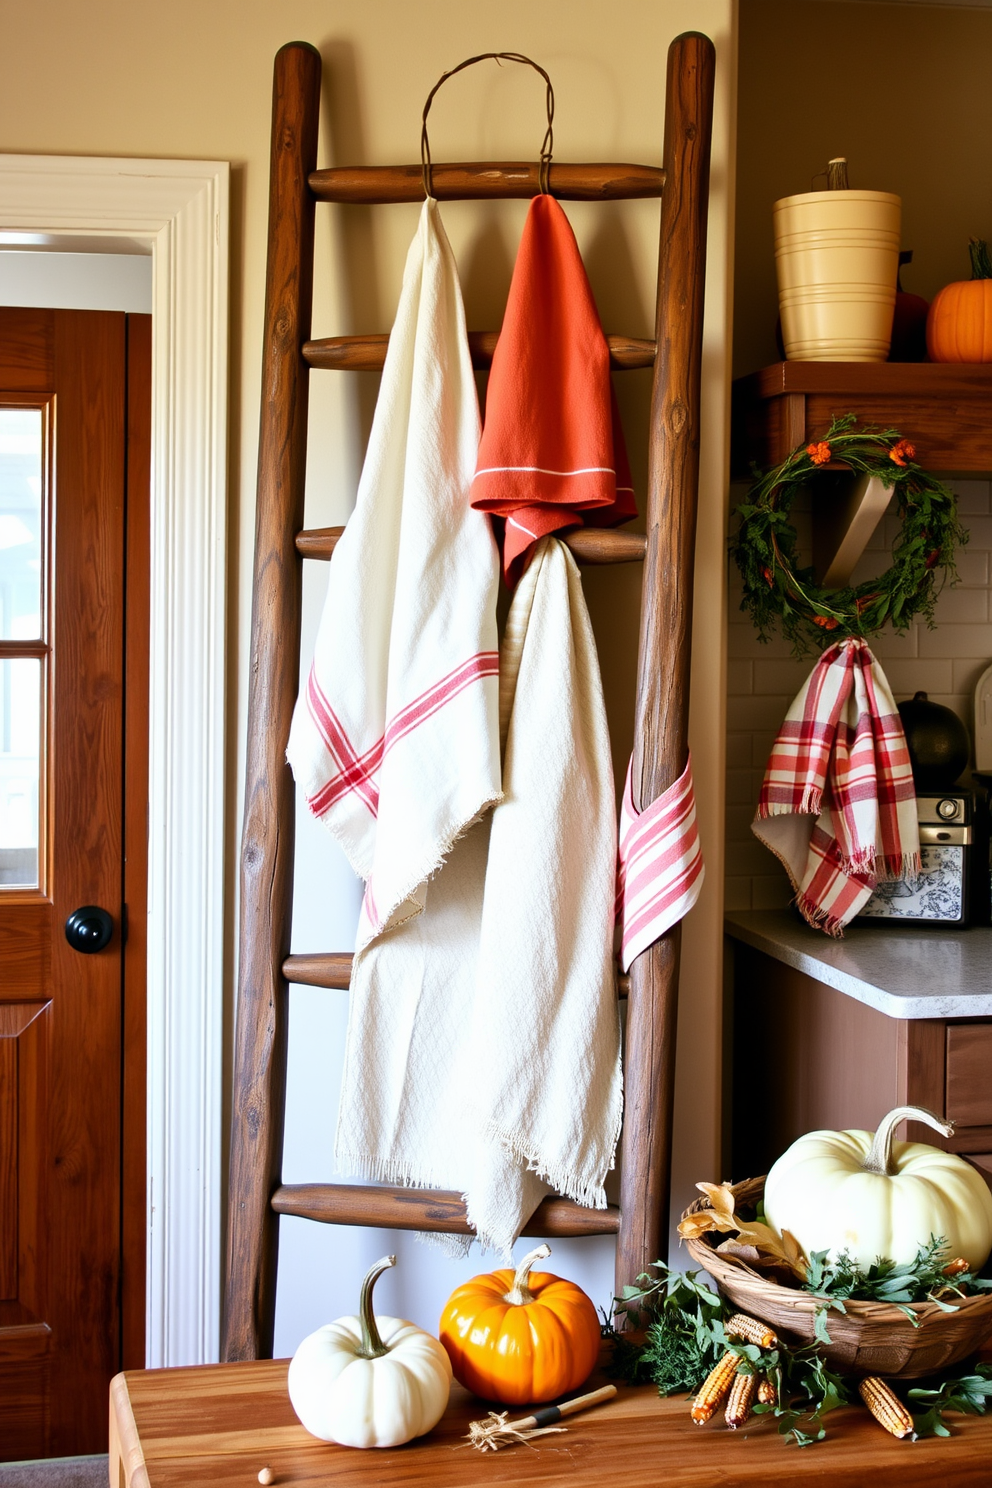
945, 409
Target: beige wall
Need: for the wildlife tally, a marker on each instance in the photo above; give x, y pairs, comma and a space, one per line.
193, 78
903, 92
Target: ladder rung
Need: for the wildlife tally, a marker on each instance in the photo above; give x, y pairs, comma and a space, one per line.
483, 180
368, 353
588, 545
333, 969
428, 1209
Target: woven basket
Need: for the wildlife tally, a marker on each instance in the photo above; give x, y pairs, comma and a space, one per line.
870, 1337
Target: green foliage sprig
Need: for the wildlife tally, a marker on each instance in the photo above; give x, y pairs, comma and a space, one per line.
776, 591
923, 1279
968, 1395
682, 1322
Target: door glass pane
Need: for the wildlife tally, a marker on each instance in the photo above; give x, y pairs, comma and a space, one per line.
20, 770
20, 523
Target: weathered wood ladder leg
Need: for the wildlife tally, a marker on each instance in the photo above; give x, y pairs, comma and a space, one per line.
268, 838
661, 720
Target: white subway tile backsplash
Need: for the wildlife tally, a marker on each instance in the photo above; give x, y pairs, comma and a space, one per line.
962, 606
781, 676
894, 646
973, 567
756, 712
740, 814
754, 858
979, 531
957, 641
773, 891
738, 786
736, 892
740, 677
907, 677
967, 672
973, 497
739, 749
742, 641
761, 744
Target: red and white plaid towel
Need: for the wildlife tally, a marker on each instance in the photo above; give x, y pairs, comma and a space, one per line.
661, 865
838, 804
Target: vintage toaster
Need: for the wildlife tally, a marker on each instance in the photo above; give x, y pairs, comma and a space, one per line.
941, 893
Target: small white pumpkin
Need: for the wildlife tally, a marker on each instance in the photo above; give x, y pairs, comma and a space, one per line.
369, 1381
852, 1191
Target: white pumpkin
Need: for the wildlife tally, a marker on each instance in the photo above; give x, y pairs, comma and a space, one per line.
851, 1191
370, 1381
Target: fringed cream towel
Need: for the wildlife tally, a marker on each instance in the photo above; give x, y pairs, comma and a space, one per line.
484, 1051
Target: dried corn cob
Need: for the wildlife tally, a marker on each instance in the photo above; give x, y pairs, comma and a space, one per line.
767, 1393
748, 1328
957, 1267
886, 1406
714, 1388
740, 1400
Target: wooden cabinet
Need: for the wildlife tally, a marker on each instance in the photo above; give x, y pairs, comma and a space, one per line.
945, 409
807, 1056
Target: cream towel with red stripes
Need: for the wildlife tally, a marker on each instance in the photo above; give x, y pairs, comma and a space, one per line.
395, 738
660, 873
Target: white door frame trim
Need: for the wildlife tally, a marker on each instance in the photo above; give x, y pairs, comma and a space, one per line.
180, 208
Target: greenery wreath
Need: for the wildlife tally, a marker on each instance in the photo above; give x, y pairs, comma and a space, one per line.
764, 547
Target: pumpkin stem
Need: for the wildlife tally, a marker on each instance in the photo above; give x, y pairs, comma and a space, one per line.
372, 1345
879, 1159
981, 259
520, 1293
837, 174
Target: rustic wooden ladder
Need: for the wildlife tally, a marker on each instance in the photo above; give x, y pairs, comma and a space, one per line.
257, 1195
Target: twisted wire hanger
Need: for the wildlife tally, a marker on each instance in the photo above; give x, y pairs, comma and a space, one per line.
498, 57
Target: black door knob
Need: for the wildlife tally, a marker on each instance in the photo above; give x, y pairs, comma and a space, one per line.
89, 929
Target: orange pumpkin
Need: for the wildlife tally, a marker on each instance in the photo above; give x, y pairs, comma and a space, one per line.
520, 1337
959, 326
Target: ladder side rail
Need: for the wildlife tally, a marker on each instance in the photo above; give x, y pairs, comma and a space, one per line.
268, 836
662, 709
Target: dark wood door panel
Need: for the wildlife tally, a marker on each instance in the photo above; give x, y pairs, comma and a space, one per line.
8, 1168
25, 947
28, 357
60, 1010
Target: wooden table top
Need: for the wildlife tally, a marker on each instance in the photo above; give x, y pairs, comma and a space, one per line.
217, 1425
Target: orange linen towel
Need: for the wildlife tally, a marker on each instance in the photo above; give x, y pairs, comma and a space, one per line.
552, 453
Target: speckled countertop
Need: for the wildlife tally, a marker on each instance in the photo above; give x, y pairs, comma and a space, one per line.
906, 973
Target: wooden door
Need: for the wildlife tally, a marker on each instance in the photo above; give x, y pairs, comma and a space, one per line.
63, 550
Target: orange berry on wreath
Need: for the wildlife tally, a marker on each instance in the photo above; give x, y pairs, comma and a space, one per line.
819, 453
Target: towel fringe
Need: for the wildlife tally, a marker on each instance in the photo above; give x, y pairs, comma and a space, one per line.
821, 919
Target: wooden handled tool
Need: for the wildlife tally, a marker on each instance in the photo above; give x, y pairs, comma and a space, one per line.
497, 1431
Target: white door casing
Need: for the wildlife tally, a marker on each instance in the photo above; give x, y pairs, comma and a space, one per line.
180, 209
